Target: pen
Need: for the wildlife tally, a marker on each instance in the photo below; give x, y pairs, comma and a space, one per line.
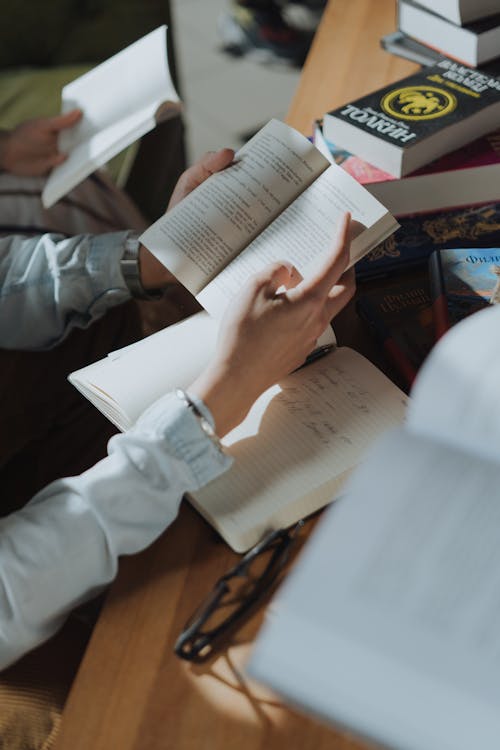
318, 353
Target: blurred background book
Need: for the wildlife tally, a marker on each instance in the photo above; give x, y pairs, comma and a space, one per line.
473, 43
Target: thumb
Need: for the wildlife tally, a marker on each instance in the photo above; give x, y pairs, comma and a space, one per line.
211, 162
67, 120
216, 161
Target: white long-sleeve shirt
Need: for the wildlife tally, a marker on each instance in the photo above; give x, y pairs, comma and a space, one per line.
63, 547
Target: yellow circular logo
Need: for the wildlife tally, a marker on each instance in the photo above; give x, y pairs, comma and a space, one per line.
418, 103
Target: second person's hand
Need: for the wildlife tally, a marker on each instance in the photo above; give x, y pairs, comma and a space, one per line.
31, 148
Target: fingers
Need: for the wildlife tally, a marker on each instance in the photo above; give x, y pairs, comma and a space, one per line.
277, 275
341, 293
215, 161
67, 120
329, 273
190, 179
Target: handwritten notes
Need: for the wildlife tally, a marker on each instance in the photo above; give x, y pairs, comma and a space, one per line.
298, 444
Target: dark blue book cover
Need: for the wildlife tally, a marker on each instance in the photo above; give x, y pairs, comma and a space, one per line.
419, 235
417, 119
399, 314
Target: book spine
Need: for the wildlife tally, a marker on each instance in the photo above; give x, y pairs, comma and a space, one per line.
392, 350
440, 312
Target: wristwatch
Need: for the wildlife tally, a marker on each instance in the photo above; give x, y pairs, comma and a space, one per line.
202, 421
131, 270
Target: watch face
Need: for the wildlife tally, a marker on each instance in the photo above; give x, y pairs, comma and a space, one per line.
204, 423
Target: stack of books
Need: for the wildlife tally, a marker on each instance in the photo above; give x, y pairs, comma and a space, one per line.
428, 148
465, 30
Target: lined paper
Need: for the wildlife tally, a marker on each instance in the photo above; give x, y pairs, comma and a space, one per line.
298, 444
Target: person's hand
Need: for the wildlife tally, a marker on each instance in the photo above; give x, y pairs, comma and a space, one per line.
31, 148
267, 333
154, 275
213, 161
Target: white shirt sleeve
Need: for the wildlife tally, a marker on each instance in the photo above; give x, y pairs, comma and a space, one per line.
50, 284
63, 547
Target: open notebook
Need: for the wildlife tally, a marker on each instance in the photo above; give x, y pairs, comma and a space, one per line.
294, 449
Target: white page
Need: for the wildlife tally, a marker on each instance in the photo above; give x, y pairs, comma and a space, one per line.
455, 396
136, 80
297, 440
198, 237
303, 234
129, 380
392, 611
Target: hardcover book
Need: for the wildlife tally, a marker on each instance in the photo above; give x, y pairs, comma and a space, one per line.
412, 122
408, 48
418, 236
400, 317
465, 177
405, 46
388, 623
462, 281
474, 43
462, 11
121, 99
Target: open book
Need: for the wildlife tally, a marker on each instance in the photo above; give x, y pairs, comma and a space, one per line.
303, 436
281, 200
121, 99
392, 611
295, 448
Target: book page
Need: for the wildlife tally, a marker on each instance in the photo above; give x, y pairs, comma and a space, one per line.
118, 97
304, 234
401, 639
455, 396
199, 236
88, 155
129, 380
298, 440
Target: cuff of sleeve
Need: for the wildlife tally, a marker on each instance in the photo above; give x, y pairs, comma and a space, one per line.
172, 420
103, 263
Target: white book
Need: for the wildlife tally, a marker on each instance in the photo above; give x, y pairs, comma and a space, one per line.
293, 451
474, 43
281, 200
121, 99
462, 11
391, 612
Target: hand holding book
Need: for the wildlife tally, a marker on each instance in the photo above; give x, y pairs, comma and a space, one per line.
155, 275
267, 333
31, 149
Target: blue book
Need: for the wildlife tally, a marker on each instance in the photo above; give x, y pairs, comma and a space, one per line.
462, 281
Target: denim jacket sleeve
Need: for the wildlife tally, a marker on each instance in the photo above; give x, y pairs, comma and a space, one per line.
63, 547
58, 283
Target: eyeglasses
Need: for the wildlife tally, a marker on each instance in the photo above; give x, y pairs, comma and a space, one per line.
234, 595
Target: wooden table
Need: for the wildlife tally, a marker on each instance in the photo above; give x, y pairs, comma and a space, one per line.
131, 692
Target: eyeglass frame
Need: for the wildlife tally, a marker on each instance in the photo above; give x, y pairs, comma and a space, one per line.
192, 642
